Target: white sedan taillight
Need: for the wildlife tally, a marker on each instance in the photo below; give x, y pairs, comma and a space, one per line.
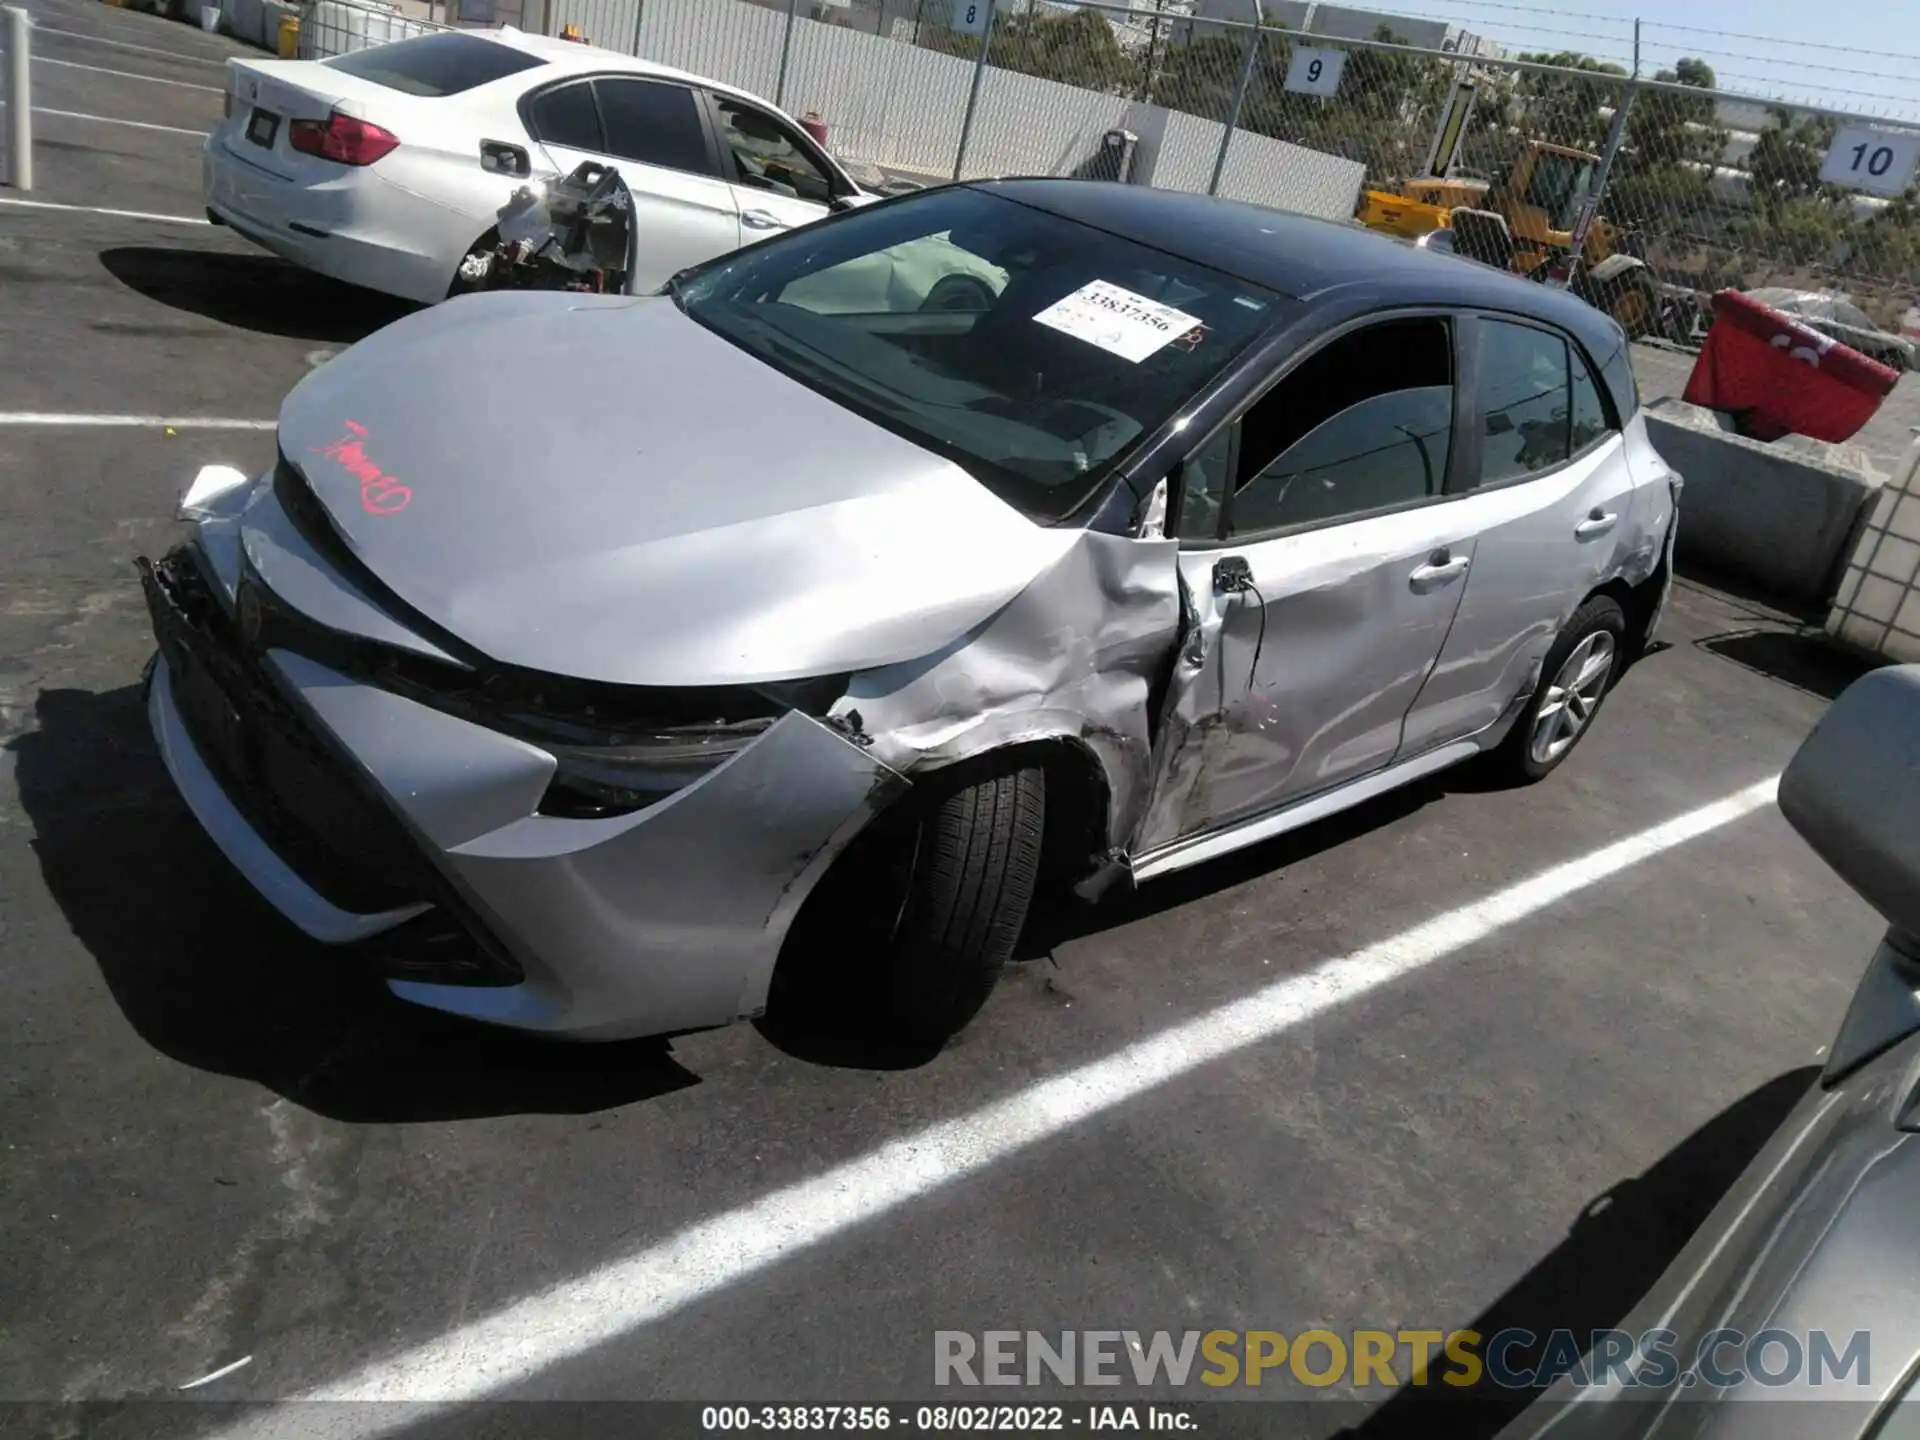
342, 138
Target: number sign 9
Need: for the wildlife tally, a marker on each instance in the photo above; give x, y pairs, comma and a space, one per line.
1315, 72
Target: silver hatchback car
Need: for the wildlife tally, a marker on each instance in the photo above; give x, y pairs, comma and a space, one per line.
608, 665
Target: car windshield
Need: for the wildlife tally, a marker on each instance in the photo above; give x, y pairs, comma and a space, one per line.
1031, 350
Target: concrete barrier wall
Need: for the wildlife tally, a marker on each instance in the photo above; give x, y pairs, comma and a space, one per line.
1878, 605
1784, 515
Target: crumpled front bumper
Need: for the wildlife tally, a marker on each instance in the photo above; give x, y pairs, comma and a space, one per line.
665, 920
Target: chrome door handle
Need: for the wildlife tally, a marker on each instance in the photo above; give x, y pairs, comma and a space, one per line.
1437, 571
760, 220
1598, 522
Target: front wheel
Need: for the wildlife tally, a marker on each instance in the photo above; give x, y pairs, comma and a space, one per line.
977, 853
1579, 670
902, 942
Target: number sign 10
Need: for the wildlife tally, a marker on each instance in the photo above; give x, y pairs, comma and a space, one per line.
1868, 159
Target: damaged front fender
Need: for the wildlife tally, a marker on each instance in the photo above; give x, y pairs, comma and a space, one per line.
1074, 656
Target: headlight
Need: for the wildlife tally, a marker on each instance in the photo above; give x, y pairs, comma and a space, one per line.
593, 781
627, 771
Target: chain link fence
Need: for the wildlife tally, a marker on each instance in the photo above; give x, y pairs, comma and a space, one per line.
1646, 194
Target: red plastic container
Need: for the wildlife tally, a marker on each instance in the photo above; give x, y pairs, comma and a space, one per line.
1778, 376
816, 127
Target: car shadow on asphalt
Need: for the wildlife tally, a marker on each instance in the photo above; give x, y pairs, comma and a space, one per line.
207, 974
841, 1026
1616, 1250
254, 292
835, 1030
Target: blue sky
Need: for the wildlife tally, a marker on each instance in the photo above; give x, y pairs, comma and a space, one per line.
1879, 74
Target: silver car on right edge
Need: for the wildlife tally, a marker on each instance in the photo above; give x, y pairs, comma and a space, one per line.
779, 634
1794, 1311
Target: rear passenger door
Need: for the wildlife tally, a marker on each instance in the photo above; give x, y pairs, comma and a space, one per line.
1549, 479
657, 135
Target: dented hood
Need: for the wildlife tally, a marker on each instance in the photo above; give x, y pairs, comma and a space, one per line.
598, 487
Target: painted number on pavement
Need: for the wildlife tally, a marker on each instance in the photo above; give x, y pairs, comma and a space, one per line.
1867, 159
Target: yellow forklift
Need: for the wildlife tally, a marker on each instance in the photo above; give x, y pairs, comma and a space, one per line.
1533, 219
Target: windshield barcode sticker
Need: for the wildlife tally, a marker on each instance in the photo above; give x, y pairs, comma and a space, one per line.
1118, 321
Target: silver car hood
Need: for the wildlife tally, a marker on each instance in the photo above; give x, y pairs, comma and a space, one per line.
599, 487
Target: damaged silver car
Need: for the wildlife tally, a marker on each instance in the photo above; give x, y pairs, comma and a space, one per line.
784, 633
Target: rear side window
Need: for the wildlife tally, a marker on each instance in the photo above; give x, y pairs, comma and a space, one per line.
1589, 415
436, 65
566, 116
655, 124
1523, 401
1620, 380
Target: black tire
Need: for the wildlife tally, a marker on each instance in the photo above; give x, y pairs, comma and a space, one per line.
1518, 759
902, 941
977, 853
1637, 284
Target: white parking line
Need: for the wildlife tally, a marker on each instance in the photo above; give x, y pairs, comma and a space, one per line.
111, 120
129, 45
54, 419
103, 210
489, 1355
126, 74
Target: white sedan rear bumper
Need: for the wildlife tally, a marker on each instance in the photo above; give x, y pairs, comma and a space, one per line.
357, 226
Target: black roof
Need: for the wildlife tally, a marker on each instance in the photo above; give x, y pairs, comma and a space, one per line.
1305, 258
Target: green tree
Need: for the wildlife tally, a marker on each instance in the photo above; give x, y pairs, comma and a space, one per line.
1202, 76
1887, 247
1663, 177
1567, 108
1786, 159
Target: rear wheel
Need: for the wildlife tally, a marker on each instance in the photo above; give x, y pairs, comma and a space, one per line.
1579, 671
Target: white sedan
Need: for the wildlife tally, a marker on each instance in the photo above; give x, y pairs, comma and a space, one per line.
386, 167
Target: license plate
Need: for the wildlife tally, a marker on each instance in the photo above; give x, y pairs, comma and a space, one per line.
261, 126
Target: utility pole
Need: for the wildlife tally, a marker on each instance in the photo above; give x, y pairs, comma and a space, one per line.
19, 27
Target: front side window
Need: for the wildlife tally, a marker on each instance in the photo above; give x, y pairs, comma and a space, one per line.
1031, 350
767, 157
654, 123
1523, 401
1362, 425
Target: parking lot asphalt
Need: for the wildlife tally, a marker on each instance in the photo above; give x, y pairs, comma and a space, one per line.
225, 1143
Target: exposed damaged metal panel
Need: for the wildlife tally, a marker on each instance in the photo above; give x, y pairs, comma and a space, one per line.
1073, 657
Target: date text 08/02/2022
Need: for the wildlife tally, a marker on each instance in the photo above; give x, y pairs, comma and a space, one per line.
946, 1419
